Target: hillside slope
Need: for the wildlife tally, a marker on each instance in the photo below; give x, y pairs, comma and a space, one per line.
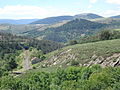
118, 16
87, 16
112, 21
71, 30
9, 42
52, 20
105, 53
19, 29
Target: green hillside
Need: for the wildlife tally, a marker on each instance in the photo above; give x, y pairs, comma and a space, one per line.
71, 30
12, 46
62, 31
83, 74
89, 66
111, 21
105, 53
19, 29
75, 29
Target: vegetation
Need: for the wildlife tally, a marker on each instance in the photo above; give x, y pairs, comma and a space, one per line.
100, 36
75, 29
88, 62
71, 30
72, 78
105, 35
73, 42
84, 53
63, 32
12, 46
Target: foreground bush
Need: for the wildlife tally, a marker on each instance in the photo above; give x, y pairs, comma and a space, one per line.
72, 78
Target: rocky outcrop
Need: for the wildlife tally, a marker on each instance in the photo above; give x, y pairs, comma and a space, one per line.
112, 61
65, 57
60, 58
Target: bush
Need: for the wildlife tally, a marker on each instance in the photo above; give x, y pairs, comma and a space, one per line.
74, 63
105, 35
72, 78
73, 42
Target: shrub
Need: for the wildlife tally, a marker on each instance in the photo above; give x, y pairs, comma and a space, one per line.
74, 63
73, 42
105, 35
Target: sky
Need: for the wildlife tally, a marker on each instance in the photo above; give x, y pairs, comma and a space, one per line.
38, 9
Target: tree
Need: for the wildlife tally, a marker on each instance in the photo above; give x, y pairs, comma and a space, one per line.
73, 42
105, 35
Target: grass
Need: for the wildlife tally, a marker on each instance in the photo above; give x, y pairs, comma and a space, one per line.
83, 53
117, 29
86, 51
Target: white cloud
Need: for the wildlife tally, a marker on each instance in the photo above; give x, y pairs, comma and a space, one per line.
93, 1
113, 1
90, 6
21, 12
111, 12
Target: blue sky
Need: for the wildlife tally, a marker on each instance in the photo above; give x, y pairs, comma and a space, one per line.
26, 9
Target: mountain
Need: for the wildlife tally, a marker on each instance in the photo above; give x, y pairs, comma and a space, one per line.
87, 16
20, 21
114, 23
20, 29
71, 30
118, 16
107, 20
52, 20
62, 31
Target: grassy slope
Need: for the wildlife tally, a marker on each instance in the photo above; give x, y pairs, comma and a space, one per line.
84, 52
100, 48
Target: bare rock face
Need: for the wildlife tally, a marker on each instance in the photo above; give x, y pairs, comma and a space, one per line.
65, 57
61, 58
112, 61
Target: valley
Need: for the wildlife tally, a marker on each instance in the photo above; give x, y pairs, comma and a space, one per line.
80, 52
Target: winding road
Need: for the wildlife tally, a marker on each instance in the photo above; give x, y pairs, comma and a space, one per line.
27, 60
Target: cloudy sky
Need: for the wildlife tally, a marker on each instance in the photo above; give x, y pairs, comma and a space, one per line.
27, 9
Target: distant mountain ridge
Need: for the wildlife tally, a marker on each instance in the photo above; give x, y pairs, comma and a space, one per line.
118, 16
53, 20
56, 19
88, 16
20, 21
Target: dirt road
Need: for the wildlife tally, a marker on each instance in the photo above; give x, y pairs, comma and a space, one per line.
26, 60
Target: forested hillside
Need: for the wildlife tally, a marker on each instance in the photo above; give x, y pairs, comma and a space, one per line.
71, 30
12, 46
